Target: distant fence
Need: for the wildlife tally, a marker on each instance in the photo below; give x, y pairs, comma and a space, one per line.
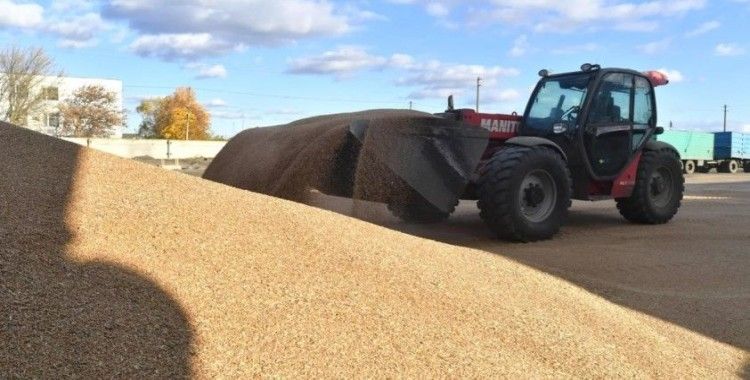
159, 149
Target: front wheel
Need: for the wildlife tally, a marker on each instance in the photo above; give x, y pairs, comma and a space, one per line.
658, 189
524, 193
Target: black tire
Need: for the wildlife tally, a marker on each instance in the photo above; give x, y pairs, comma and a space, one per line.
658, 189
510, 178
416, 209
729, 166
689, 167
722, 167
703, 169
746, 166
733, 166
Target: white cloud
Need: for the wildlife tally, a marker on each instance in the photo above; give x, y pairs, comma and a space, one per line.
340, 62
655, 46
210, 71
177, 46
566, 16
71, 5
437, 9
746, 128
430, 79
435, 79
520, 46
221, 26
77, 44
729, 49
216, 103
79, 31
674, 76
401, 61
20, 15
704, 28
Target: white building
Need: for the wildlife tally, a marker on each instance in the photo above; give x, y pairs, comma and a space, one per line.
57, 89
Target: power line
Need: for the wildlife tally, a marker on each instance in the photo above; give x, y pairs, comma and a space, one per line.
276, 96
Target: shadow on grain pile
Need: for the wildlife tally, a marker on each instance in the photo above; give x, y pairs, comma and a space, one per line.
59, 317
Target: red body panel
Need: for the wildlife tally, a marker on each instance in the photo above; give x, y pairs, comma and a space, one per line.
501, 127
624, 184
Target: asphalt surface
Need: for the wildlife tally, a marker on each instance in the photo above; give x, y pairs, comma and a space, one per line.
693, 272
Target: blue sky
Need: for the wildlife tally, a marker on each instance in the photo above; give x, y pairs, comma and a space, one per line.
262, 62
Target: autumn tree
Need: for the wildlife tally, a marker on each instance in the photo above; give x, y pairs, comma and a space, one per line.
180, 116
92, 111
22, 73
148, 110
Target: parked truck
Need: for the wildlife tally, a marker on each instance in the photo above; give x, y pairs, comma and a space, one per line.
727, 152
732, 152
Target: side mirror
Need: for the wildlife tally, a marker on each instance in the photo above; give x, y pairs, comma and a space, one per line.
659, 130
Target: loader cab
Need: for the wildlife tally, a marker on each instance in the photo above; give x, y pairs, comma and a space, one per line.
599, 117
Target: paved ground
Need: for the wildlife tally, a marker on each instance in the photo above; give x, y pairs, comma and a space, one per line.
693, 272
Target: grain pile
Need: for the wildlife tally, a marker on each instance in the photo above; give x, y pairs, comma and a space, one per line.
111, 268
398, 156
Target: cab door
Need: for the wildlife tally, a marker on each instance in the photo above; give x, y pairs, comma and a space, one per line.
608, 132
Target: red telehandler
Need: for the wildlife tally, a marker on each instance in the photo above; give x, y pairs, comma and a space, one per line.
586, 135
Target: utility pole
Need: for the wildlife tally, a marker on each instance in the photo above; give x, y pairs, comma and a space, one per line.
479, 84
410, 105
725, 118
187, 126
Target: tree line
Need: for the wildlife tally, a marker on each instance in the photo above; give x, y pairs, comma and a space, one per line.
91, 110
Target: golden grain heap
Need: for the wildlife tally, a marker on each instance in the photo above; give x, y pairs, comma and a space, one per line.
111, 268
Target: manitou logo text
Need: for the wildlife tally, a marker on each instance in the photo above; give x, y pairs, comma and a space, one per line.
502, 126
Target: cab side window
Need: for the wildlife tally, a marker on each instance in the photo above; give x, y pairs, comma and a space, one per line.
612, 101
607, 134
643, 111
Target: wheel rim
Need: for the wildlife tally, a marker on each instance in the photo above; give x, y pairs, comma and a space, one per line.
537, 196
661, 187
733, 166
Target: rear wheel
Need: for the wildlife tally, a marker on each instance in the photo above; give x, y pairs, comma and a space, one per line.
524, 193
734, 166
658, 189
729, 166
689, 167
746, 165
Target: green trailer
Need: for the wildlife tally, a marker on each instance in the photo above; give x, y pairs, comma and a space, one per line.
696, 149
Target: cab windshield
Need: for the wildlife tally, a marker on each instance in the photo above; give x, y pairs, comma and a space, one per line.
558, 100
